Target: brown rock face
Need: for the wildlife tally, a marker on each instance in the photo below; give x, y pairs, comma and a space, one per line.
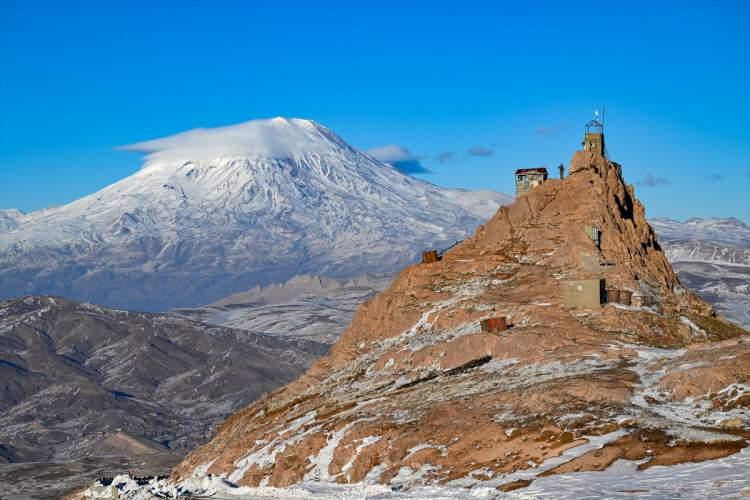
415, 392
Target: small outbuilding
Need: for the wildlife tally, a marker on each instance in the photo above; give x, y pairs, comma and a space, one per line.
528, 178
430, 256
587, 294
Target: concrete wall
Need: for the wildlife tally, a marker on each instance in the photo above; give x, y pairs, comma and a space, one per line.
587, 294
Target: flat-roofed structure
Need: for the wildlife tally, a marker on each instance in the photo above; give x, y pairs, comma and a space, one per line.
528, 178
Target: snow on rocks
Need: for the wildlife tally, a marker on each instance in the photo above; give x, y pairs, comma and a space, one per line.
722, 478
266, 455
321, 463
499, 403
685, 419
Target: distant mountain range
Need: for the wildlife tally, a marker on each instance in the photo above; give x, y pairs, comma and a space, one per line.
307, 307
712, 257
728, 231
95, 386
218, 211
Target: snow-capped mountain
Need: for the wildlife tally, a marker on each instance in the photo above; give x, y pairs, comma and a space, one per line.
216, 211
730, 231
711, 256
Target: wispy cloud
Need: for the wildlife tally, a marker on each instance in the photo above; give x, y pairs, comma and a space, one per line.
549, 131
445, 156
652, 181
480, 151
713, 177
400, 158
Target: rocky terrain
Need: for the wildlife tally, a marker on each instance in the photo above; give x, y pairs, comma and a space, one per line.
88, 390
218, 211
415, 393
712, 257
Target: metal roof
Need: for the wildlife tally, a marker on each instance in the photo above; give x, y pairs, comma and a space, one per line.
535, 170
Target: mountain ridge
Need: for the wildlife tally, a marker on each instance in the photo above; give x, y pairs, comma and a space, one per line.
89, 391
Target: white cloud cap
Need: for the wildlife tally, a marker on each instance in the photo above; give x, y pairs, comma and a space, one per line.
268, 138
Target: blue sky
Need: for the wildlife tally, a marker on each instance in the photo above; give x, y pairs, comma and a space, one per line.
514, 82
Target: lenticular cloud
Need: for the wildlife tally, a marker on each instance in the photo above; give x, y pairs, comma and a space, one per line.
268, 138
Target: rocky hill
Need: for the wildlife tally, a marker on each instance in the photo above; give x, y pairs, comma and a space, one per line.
415, 392
218, 211
91, 390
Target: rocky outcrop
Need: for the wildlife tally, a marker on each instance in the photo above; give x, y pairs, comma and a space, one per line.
415, 392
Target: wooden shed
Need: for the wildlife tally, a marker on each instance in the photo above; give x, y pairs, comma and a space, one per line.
430, 256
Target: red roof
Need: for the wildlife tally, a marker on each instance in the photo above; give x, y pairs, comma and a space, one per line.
535, 170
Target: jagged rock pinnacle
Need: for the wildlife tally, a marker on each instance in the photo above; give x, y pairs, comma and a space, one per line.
415, 391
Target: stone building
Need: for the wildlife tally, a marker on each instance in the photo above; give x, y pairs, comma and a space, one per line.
527, 178
593, 138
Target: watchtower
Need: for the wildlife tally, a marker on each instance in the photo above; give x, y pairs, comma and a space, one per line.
593, 138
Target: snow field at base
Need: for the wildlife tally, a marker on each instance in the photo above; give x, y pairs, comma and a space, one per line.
682, 419
724, 478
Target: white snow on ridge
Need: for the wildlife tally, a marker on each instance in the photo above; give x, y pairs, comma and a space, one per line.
727, 231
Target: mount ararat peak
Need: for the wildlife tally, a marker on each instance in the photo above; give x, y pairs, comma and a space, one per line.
217, 211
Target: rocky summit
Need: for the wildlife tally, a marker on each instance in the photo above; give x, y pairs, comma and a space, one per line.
556, 339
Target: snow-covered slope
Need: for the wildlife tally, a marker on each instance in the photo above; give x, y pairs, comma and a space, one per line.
730, 231
216, 211
711, 256
482, 202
